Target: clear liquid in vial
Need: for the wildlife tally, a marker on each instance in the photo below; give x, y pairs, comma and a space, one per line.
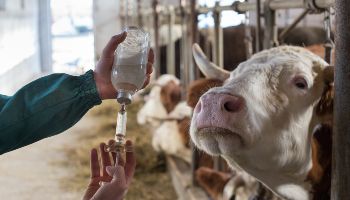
129, 77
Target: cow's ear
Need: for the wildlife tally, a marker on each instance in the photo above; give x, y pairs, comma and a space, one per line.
328, 74
325, 105
198, 87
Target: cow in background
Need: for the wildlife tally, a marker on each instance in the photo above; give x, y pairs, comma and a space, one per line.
168, 116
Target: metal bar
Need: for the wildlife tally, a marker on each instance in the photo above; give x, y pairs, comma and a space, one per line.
217, 58
184, 50
122, 14
170, 57
285, 31
248, 39
329, 43
270, 33
258, 27
218, 8
195, 73
139, 13
218, 37
45, 37
282, 4
156, 36
341, 138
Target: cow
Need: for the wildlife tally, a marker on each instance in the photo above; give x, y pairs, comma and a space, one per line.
162, 99
171, 137
168, 117
235, 184
264, 119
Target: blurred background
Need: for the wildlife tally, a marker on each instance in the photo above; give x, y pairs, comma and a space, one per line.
40, 37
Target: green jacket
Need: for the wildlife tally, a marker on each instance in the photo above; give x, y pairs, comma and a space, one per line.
45, 107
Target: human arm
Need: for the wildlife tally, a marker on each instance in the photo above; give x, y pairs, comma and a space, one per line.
45, 107
54, 103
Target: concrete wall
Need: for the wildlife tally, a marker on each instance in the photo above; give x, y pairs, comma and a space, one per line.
106, 23
19, 45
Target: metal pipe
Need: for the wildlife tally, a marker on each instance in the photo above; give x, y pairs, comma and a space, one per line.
122, 14
329, 43
156, 36
270, 33
184, 50
204, 9
285, 31
282, 4
341, 136
195, 73
218, 37
139, 13
248, 39
258, 27
170, 58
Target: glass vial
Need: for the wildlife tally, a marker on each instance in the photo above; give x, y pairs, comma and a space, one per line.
130, 63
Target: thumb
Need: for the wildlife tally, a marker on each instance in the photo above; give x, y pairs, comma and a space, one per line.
108, 51
110, 170
119, 174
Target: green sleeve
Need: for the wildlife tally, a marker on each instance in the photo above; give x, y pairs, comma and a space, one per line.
45, 107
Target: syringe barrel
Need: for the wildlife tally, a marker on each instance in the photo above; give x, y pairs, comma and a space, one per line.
121, 123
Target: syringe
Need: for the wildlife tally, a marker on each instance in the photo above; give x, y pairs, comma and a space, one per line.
120, 132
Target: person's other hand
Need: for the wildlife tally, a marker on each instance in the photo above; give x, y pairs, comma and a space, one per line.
116, 178
102, 73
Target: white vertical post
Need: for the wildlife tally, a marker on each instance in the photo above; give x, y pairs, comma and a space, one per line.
45, 37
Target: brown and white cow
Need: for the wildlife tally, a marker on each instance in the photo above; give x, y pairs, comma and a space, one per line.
168, 116
263, 117
235, 184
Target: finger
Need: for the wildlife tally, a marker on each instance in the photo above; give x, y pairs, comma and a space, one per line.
108, 51
130, 163
149, 68
151, 56
106, 161
110, 170
120, 160
119, 176
110, 143
147, 80
94, 164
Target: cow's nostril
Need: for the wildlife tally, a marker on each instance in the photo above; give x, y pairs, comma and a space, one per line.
233, 105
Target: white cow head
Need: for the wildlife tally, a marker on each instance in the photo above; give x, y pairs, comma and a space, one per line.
263, 115
164, 96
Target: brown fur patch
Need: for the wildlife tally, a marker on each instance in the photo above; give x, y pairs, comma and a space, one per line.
212, 181
198, 88
320, 174
319, 50
321, 144
324, 108
184, 126
170, 95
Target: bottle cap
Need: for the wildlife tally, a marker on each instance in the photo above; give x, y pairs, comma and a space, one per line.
124, 97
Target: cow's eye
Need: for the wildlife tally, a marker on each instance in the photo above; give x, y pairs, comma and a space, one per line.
300, 83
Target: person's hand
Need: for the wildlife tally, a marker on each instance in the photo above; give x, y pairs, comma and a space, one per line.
102, 73
116, 178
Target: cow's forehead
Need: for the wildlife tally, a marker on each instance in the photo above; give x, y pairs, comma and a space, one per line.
286, 58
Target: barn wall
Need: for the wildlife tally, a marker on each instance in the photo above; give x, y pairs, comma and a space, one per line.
19, 45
